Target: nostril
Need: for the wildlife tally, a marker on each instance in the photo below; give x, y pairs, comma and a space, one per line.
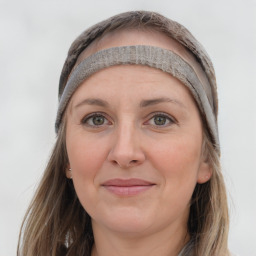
127, 164
115, 162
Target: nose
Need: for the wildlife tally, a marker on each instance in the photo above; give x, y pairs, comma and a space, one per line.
126, 149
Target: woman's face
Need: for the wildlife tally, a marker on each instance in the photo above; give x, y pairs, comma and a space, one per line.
134, 139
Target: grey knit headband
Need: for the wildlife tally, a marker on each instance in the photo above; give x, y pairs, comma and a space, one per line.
151, 56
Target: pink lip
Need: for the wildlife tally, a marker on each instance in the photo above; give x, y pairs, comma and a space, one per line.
127, 187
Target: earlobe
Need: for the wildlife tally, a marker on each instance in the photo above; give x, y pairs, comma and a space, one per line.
69, 173
204, 173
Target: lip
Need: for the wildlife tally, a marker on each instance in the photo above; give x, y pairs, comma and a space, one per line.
127, 187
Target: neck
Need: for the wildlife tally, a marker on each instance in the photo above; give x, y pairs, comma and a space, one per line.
165, 242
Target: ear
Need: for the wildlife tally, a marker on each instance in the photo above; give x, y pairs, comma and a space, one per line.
68, 172
204, 172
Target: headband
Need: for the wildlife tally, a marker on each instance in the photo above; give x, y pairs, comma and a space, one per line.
151, 56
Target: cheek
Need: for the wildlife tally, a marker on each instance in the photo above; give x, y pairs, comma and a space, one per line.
85, 154
178, 157
86, 158
178, 162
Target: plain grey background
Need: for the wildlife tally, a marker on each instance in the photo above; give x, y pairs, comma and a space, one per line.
34, 39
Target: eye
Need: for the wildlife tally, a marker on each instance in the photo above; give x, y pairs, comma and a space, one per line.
95, 120
161, 120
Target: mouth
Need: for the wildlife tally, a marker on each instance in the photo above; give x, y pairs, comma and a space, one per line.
127, 187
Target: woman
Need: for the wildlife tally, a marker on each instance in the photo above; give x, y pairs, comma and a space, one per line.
135, 169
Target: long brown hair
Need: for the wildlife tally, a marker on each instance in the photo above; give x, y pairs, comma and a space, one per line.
56, 224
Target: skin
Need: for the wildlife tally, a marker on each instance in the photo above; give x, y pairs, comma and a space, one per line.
130, 143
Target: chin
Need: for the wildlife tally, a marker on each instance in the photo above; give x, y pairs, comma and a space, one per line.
126, 221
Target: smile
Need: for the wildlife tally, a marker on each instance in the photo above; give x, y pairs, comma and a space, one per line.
128, 187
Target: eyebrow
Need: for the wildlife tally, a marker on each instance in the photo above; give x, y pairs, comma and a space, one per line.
93, 101
150, 102
143, 103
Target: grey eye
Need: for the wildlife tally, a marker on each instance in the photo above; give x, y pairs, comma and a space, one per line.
160, 120
98, 120
95, 120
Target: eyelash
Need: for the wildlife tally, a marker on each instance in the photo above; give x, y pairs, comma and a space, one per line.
86, 119
164, 115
